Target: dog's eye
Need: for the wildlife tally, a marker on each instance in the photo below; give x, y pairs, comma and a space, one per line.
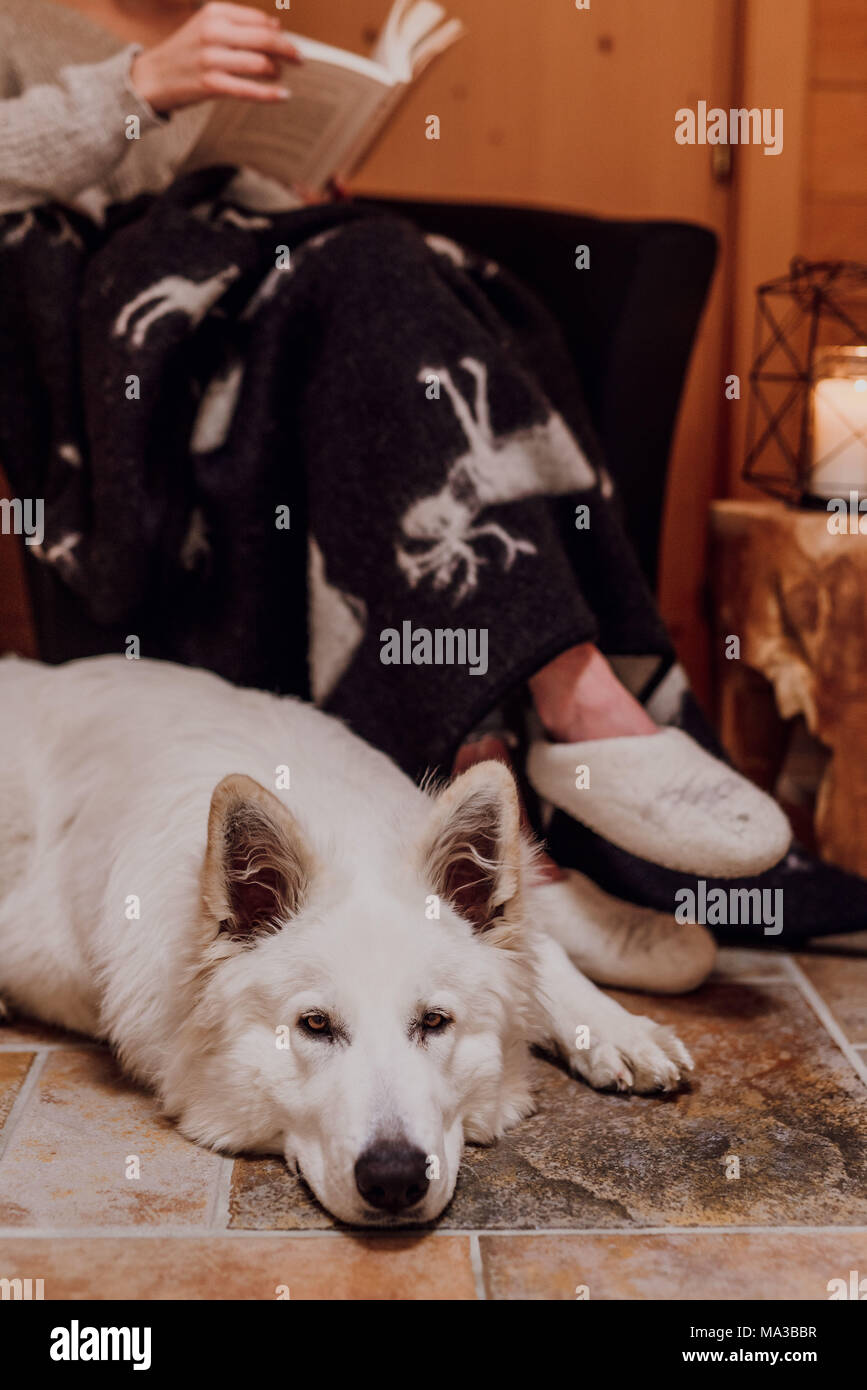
433, 1021
318, 1025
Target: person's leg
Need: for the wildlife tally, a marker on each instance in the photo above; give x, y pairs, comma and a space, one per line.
428, 471
577, 696
468, 547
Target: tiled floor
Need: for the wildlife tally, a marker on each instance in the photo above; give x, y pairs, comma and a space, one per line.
611, 1196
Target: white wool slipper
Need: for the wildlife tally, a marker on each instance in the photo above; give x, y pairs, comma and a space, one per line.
664, 799
620, 944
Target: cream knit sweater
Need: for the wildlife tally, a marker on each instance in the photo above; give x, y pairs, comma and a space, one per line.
65, 103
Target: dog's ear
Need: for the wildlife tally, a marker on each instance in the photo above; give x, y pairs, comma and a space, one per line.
473, 853
257, 865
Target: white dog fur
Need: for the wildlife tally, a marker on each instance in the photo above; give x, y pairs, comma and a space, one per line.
269, 961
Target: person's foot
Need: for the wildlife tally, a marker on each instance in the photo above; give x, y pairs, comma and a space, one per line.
620, 944
653, 792
578, 697
665, 800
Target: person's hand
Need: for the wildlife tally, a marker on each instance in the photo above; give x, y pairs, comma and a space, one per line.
223, 51
335, 191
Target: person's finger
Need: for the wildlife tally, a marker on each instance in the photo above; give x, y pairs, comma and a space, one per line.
224, 84
272, 41
240, 61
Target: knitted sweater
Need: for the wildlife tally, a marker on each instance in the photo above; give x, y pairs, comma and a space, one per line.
65, 103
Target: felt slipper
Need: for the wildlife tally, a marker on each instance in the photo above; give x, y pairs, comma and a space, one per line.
619, 944
816, 899
663, 798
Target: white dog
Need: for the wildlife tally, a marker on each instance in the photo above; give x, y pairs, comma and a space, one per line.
295, 947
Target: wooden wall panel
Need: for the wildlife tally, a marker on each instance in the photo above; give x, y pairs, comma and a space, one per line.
834, 211
775, 67
837, 145
840, 41
835, 230
548, 104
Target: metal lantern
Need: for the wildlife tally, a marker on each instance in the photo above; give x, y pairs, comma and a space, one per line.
807, 422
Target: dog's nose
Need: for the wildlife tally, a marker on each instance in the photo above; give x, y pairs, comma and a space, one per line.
392, 1176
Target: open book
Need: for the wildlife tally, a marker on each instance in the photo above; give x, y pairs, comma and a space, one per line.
339, 103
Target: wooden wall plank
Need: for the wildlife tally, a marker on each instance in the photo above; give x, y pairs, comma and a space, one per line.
837, 144
840, 42
769, 189
835, 229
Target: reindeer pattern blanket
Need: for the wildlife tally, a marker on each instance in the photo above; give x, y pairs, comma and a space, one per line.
318, 433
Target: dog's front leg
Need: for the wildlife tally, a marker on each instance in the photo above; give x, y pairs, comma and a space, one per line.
601, 1041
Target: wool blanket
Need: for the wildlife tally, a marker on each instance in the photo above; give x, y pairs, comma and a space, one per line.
317, 452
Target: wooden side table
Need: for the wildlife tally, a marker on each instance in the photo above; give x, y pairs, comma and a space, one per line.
796, 597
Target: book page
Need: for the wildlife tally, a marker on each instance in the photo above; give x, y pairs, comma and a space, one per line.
414, 33
304, 140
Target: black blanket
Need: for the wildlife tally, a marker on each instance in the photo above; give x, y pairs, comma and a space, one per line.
263, 439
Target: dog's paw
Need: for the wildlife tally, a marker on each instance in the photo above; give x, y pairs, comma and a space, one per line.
639, 1055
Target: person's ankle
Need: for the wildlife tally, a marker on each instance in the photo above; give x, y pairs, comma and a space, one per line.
578, 697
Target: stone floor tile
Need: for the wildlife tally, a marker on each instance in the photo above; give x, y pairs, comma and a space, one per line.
837, 968
14, 1067
377, 1267
67, 1160
705, 1265
29, 1032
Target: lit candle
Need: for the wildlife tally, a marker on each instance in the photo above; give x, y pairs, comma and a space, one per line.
839, 422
